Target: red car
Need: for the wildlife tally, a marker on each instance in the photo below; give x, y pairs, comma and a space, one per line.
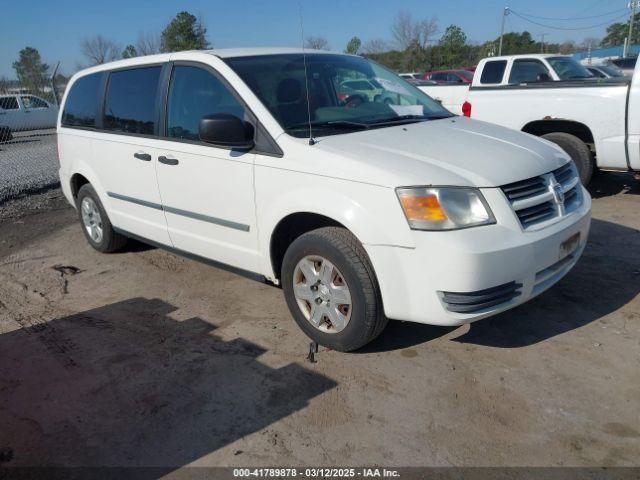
449, 76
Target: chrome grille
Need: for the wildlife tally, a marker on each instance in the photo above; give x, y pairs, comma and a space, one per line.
537, 201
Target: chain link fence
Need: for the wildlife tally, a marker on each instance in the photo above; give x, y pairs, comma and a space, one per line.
28, 158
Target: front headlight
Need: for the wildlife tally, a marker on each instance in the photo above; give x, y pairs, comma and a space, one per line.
444, 208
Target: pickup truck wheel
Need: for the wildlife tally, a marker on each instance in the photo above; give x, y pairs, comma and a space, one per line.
577, 150
95, 223
331, 289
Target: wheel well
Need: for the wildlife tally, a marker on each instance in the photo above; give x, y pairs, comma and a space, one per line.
542, 127
77, 181
290, 228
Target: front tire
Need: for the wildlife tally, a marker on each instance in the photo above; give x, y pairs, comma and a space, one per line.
96, 225
577, 150
331, 289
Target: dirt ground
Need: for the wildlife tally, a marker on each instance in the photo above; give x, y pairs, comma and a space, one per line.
146, 359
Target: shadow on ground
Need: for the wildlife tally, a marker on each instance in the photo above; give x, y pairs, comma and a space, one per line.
606, 278
126, 385
607, 184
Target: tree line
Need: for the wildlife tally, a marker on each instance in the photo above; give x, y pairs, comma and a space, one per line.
415, 44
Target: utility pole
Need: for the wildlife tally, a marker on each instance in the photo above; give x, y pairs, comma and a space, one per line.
632, 5
505, 12
542, 35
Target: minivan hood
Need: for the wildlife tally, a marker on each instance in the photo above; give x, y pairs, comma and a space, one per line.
452, 151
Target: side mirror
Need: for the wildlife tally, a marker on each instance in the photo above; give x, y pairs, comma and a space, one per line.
226, 130
543, 77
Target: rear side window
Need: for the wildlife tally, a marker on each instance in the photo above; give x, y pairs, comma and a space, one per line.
194, 93
81, 105
527, 71
493, 72
8, 103
130, 103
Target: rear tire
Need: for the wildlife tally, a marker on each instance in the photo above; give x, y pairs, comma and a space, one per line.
94, 215
353, 269
577, 150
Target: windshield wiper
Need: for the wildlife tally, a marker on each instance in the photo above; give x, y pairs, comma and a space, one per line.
337, 124
407, 119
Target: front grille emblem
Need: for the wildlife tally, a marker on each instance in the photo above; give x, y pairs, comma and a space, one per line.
558, 193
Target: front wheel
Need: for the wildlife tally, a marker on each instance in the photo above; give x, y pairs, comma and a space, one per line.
577, 150
96, 225
331, 289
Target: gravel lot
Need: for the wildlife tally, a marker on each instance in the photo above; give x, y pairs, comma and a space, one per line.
145, 358
28, 164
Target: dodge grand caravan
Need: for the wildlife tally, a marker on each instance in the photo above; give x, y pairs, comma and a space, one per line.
361, 210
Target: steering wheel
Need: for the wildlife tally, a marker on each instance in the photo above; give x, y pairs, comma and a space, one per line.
353, 101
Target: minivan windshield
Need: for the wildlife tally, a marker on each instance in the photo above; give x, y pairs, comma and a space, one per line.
568, 68
338, 94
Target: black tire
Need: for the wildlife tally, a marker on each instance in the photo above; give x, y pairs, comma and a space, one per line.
5, 134
343, 249
111, 240
577, 150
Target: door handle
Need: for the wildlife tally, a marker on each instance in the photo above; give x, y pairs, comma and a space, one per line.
168, 161
145, 157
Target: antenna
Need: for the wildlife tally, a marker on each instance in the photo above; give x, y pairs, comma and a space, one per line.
306, 80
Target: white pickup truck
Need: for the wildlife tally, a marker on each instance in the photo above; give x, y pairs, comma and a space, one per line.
596, 121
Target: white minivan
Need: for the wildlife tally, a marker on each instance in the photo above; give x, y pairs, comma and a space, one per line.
361, 210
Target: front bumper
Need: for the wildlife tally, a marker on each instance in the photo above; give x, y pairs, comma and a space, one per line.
412, 280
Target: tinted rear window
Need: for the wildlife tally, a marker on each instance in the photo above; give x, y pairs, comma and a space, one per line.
9, 103
493, 71
130, 104
81, 105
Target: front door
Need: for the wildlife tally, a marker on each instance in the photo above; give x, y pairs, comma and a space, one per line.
207, 192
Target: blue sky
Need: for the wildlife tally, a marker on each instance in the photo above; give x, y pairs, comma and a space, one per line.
56, 28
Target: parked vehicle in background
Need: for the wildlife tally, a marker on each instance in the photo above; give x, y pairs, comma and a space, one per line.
360, 211
449, 76
530, 68
366, 89
626, 65
26, 112
597, 122
604, 71
411, 76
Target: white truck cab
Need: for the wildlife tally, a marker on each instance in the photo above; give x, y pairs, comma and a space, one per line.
361, 210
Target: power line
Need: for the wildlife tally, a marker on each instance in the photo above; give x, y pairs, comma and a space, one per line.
555, 27
575, 18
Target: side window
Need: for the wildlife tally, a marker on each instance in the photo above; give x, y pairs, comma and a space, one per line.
527, 71
130, 103
453, 78
439, 77
194, 93
81, 105
33, 102
493, 72
596, 73
8, 103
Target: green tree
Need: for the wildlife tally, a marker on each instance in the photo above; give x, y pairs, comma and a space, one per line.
129, 52
184, 32
452, 49
353, 47
31, 72
617, 32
